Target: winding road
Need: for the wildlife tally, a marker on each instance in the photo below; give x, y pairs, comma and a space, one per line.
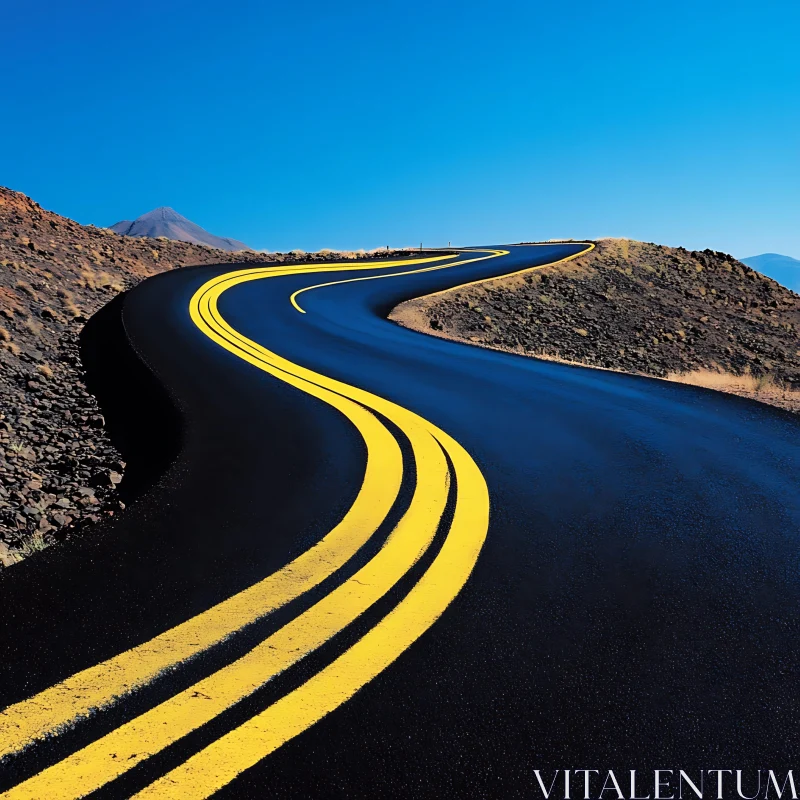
375, 563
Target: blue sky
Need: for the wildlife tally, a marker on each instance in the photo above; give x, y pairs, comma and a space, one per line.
359, 124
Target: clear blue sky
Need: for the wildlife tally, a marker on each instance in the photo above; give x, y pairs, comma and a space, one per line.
359, 124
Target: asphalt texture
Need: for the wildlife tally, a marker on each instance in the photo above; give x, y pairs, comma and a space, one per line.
634, 605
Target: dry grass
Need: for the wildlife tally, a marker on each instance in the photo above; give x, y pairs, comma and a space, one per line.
99, 279
29, 545
68, 302
25, 287
33, 326
108, 281
765, 388
45, 370
725, 381
88, 278
353, 253
72, 309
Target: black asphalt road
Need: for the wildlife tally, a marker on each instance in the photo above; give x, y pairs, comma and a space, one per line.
634, 606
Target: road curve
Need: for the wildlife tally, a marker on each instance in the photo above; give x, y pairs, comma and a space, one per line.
366, 562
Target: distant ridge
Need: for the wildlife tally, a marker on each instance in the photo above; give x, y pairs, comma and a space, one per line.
784, 269
168, 222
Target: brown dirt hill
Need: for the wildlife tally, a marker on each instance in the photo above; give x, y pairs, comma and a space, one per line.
58, 469
697, 317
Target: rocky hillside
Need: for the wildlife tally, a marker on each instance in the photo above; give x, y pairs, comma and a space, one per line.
57, 467
699, 317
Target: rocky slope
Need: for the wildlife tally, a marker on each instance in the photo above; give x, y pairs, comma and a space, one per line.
58, 469
698, 317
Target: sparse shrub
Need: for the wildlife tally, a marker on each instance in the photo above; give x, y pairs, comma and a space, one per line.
107, 281
767, 383
88, 278
25, 287
32, 544
32, 326
725, 381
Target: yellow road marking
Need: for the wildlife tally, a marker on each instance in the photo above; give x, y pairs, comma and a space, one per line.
126, 746
96, 764
293, 297
219, 763
78, 696
589, 247
99, 686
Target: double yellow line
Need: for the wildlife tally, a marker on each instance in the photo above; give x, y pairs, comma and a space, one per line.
98, 687
92, 690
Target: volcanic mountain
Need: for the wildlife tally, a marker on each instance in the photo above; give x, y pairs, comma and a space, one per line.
167, 222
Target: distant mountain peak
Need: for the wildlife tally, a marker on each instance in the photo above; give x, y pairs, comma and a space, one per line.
164, 212
783, 269
165, 221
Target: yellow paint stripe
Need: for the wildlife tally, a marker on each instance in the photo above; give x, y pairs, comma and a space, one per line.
122, 749
137, 740
221, 762
178, 705
589, 247
76, 697
494, 253
99, 686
